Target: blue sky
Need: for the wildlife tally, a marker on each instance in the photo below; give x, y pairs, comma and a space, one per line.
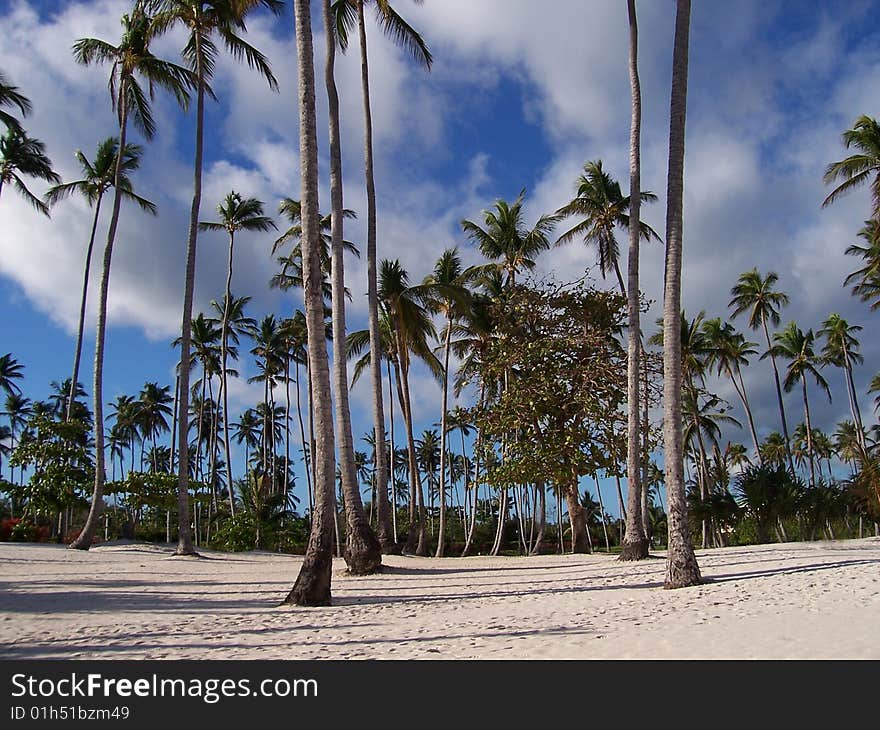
519, 97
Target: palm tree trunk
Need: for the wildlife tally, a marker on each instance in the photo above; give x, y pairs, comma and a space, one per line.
602, 510
386, 532
312, 586
417, 538
854, 399
441, 531
174, 415
779, 397
741, 392
84, 540
302, 436
286, 420
634, 545
363, 553
184, 538
477, 444
577, 518
394, 545
646, 454
681, 568
224, 336
540, 517
809, 426
82, 310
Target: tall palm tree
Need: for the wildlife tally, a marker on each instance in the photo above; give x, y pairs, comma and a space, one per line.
796, 346
874, 387
236, 214
411, 328
866, 280
505, 238
841, 349
860, 168
348, 13
681, 566
204, 20
603, 207
729, 353
363, 551
97, 179
755, 294
312, 586
10, 371
154, 409
11, 96
247, 431
17, 409
129, 61
635, 543
21, 155
451, 299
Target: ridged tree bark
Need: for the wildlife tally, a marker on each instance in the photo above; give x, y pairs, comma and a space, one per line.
84, 539
363, 553
577, 518
224, 385
681, 566
635, 544
441, 529
312, 586
385, 530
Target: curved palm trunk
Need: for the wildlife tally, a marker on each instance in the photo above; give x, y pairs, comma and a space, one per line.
577, 518
84, 540
779, 397
476, 483
224, 353
416, 539
184, 539
853, 399
82, 310
681, 568
394, 547
363, 553
441, 530
312, 586
635, 544
302, 436
741, 392
387, 533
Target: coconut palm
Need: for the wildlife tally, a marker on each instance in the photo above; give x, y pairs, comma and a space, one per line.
505, 239
754, 293
154, 409
681, 566
10, 371
874, 387
312, 586
348, 13
451, 299
860, 168
292, 210
235, 214
17, 409
866, 280
729, 353
363, 551
131, 63
97, 179
604, 208
10, 96
841, 349
22, 156
247, 432
204, 20
796, 346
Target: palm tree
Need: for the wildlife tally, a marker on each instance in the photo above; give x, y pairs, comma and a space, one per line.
97, 179
10, 371
236, 214
796, 346
729, 353
681, 566
754, 293
841, 349
411, 328
451, 299
204, 19
11, 96
363, 551
312, 586
860, 168
773, 449
604, 208
866, 280
22, 155
129, 60
506, 239
17, 409
124, 411
153, 411
348, 13
874, 387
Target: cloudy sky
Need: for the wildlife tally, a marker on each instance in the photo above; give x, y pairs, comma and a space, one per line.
521, 95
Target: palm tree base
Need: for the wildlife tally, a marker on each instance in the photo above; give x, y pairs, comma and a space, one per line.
363, 554
312, 587
637, 550
682, 573
79, 545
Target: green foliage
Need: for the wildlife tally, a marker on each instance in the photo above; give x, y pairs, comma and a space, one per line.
766, 493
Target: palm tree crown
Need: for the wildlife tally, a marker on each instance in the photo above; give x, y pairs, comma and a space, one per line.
20, 156
859, 168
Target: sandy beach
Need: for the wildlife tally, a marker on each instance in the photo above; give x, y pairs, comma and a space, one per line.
125, 601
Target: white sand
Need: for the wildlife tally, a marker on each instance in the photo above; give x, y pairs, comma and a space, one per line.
804, 600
